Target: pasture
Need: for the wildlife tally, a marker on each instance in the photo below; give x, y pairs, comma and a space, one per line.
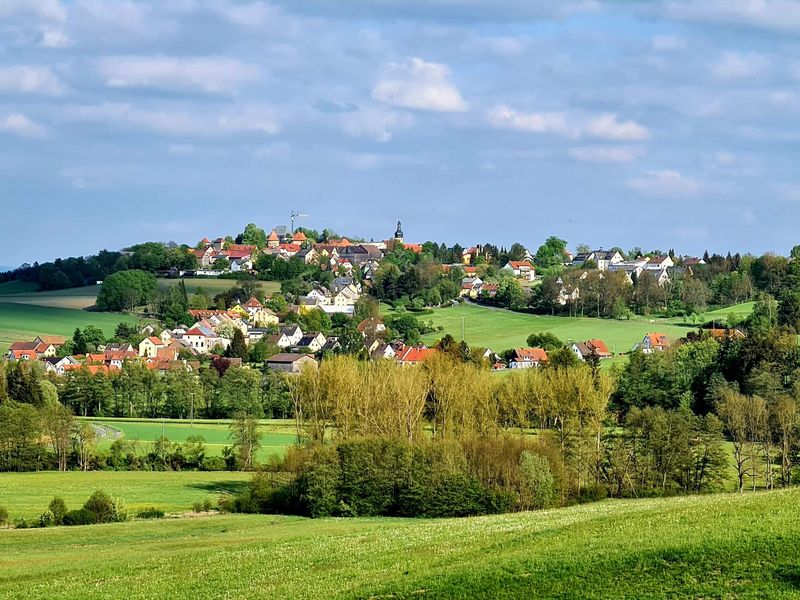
214, 286
719, 546
275, 435
500, 329
26, 321
26, 495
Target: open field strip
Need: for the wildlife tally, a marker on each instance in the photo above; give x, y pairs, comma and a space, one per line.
275, 435
26, 495
25, 322
500, 329
720, 546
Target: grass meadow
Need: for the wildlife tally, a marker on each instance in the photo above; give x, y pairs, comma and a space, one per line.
500, 329
718, 546
275, 435
26, 495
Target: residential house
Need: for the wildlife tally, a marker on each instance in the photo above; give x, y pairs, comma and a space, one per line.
293, 334
59, 365
659, 263
412, 355
521, 269
596, 347
382, 351
488, 290
291, 363
313, 341
525, 358
653, 342
149, 346
371, 327
602, 258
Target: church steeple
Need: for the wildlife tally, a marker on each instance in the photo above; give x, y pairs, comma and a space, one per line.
398, 235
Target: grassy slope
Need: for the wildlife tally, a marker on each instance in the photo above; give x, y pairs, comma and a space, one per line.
26, 495
710, 547
274, 438
24, 321
501, 329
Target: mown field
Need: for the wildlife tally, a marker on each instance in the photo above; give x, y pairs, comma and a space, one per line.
26, 313
502, 329
275, 435
26, 495
26, 321
722, 546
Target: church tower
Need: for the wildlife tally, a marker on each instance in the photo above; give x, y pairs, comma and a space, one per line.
398, 235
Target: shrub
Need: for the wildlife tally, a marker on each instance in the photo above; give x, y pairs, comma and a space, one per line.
213, 463
101, 506
267, 494
538, 487
3, 515
119, 512
150, 513
47, 519
80, 516
197, 507
319, 482
207, 505
58, 507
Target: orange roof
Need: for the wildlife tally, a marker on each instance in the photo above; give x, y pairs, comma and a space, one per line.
413, 354
273, 237
413, 247
253, 303
516, 264
95, 358
156, 340
55, 340
29, 354
599, 346
658, 340
291, 247
532, 354
299, 236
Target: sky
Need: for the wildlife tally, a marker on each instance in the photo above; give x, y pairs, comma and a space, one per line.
660, 124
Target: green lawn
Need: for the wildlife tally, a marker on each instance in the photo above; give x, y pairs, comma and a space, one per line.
25, 321
215, 286
501, 329
724, 546
26, 495
275, 435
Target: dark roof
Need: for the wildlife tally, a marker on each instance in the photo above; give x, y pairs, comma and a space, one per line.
286, 358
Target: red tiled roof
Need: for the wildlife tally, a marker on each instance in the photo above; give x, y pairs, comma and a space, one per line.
273, 237
299, 236
516, 264
156, 340
291, 247
599, 346
253, 303
532, 354
414, 354
658, 340
413, 247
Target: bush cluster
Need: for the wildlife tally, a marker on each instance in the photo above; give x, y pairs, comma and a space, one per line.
389, 477
99, 508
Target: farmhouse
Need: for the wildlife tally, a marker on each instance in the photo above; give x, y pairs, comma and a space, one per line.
521, 269
653, 342
585, 350
525, 358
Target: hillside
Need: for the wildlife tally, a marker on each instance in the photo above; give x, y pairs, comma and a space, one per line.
500, 329
708, 546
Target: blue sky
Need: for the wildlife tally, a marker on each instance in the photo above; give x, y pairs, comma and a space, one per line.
662, 124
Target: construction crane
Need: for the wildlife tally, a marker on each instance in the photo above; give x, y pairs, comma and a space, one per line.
297, 215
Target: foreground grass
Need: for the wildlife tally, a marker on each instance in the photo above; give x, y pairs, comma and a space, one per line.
275, 435
725, 546
26, 495
502, 329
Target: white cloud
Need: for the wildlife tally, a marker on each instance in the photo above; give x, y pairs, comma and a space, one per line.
778, 15
170, 122
736, 65
375, 123
29, 80
419, 85
605, 154
665, 184
20, 125
504, 117
607, 127
43, 9
668, 43
212, 74
248, 14
53, 38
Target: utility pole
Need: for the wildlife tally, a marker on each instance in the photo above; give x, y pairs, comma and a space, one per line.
191, 411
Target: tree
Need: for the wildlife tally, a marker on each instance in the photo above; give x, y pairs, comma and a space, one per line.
125, 290
510, 294
246, 439
58, 424
238, 346
545, 340
85, 444
550, 255
254, 236
789, 310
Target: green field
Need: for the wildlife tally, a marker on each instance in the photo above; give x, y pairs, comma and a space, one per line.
502, 329
26, 321
26, 495
275, 435
723, 546
215, 286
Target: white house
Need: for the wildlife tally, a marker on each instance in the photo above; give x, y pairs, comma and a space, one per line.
521, 269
